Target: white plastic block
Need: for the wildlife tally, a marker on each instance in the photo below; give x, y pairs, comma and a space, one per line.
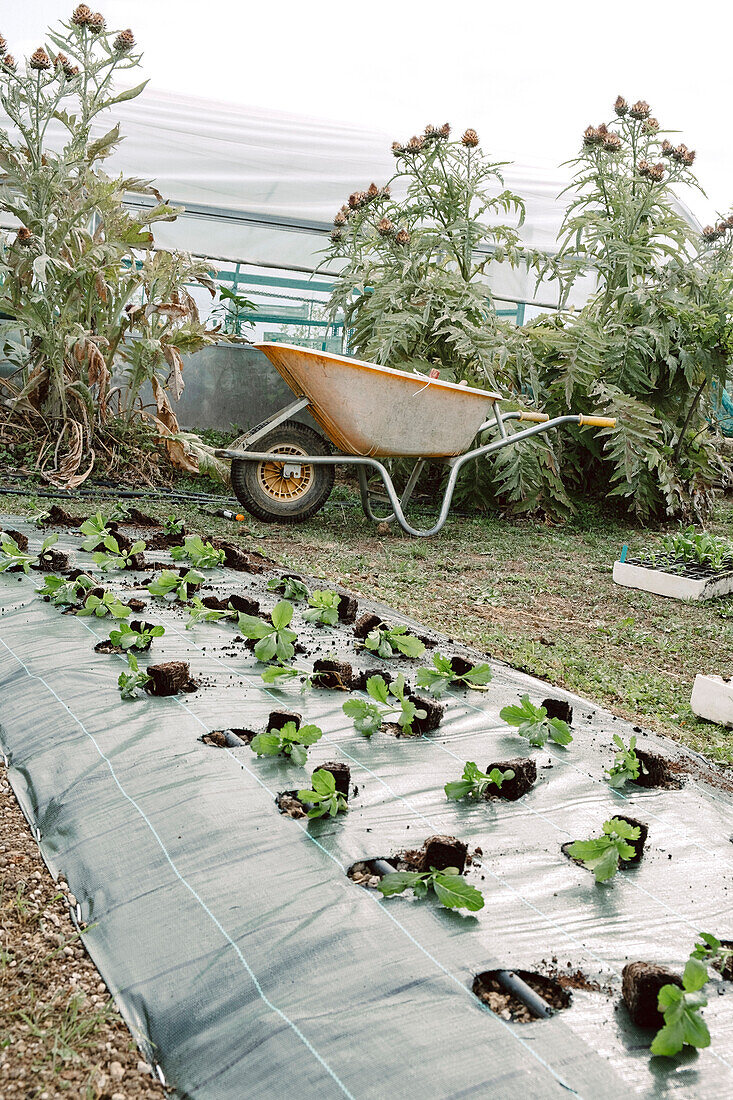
712, 698
671, 584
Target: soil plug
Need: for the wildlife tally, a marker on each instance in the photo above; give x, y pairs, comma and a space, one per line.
365, 624
641, 982
341, 774
444, 851
525, 775
279, 718
169, 678
347, 608
337, 675
558, 708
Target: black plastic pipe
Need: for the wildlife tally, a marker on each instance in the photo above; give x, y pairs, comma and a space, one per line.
513, 984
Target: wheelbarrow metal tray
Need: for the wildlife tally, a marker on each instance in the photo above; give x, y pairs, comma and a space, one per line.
365, 409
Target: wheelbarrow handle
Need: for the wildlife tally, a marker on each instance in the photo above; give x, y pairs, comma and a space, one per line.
596, 421
535, 417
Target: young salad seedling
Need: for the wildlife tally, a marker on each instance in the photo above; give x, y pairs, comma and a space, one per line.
324, 608
274, 674
291, 588
12, 557
602, 855
202, 555
475, 783
438, 679
108, 604
198, 612
112, 557
63, 593
324, 798
96, 530
128, 638
683, 1022
368, 716
532, 722
626, 766
173, 526
129, 682
274, 639
171, 583
288, 741
451, 889
384, 640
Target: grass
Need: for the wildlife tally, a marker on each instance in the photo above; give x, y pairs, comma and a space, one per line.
538, 597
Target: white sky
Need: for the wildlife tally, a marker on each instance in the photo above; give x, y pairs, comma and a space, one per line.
528, 76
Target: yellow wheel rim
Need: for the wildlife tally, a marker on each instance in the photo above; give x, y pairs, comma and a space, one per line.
273, 481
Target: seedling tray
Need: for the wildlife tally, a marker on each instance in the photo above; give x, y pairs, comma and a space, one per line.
674, 578
242, 956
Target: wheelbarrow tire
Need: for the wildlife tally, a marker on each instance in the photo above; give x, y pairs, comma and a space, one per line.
266, 494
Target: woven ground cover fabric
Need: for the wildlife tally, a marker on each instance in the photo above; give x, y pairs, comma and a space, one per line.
248, 964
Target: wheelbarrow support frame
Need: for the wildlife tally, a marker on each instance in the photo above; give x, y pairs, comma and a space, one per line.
541, 423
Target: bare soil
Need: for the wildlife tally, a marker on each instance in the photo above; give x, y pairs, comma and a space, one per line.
61, 1035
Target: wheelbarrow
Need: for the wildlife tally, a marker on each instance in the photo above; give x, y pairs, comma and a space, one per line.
368, 413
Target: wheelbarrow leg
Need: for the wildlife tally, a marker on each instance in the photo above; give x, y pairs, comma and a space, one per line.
366, 496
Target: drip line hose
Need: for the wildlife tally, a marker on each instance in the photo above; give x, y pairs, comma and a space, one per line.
183, 496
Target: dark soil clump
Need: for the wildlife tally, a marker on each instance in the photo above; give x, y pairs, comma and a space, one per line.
433, 717
637, 845
525, 774
279, 718
558, 708
656, 772
20, 539
243, 561
342, 775
170, 678
641, 982
347, 609
508, 1006
444, 851
337, 675
53, 561
57, 517
365, 624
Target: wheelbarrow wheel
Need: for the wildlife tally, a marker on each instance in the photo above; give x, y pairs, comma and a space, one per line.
267, 493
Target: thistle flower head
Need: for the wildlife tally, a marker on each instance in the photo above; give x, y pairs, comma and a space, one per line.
469, 139
722, 227
591, 136
3, 44
24, 237
667, 148
651, 125
372, 191
710, 233
396, 148
415, 144
385, 228
403, 237
81, 15
39, 60
9, 62
97, 23
621, 107
729, 221
356, 199
689, 158
678, 154
445, 131
336, 234
431, 133
643, 167
385, 192
640, 110
656, 172
611, 142
124, 41
340, 218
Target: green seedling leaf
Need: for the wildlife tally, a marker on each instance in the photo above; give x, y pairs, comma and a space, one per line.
108, 604
475, 783
202, 555
323, 608
291, 588
603, 854
199, 613
384, 640
129, 682
452, 891
532, 722
324, 798
288, 741
96, 530
626, 766
127, 638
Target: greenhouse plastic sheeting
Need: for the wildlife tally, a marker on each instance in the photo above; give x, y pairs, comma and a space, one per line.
245, 961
